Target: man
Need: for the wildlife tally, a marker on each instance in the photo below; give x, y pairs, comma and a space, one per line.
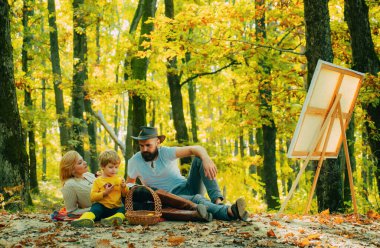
157, 167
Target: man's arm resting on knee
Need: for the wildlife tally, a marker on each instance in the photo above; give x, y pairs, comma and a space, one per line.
208, 165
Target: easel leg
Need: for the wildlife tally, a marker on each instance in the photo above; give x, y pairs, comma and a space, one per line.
348, 162
320, 162
311, 193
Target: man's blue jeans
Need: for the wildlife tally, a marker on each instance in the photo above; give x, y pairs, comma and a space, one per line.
219, 212
193, 185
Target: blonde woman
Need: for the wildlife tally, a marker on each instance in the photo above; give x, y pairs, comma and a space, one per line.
76, 183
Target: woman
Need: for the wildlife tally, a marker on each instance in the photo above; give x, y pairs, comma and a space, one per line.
76, 183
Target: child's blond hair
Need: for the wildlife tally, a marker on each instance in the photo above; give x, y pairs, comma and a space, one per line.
108, 156
67, 164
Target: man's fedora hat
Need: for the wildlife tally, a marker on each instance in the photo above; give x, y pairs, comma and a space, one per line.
149, 133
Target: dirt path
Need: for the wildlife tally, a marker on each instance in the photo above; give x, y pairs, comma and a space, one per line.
262, 230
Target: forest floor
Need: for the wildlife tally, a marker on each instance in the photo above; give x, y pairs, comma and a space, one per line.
261, 230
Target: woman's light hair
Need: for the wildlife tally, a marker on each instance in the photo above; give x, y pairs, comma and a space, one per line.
66, 167
108, 156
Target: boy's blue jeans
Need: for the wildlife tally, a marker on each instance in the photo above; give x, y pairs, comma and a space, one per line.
193, 185
102, 212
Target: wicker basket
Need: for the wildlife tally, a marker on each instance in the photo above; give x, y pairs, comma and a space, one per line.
142, 217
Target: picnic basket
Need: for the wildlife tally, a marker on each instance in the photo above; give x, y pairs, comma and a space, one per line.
142, 217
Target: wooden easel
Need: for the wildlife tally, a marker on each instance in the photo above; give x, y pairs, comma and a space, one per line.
334, 112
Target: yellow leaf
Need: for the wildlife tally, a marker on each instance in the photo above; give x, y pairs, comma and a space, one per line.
304, 242
315, 236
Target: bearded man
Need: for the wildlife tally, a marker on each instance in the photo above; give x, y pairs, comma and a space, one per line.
157, 167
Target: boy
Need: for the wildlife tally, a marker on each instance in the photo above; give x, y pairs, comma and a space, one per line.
106, 194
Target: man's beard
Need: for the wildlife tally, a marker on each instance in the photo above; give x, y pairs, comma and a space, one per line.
149, 156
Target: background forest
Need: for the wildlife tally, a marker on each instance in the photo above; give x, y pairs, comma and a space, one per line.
229, 75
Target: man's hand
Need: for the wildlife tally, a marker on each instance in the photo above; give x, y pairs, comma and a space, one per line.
209, 168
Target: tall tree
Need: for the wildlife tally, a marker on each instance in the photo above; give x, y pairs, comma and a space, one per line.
318, 46
128, 140
13, 156
365, 59
192, 90
43, 107
57, 77
28, 6
268, 126
175, 88
139, 68
79, 74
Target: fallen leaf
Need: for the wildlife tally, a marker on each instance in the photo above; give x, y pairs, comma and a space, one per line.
70, 239
371, 214
304, 242
325, 212
176, 240
103, 243
270, 233
301, 231
289, 235
245, 234
338, 220
116, 235
315, 236
131, 245
275, 223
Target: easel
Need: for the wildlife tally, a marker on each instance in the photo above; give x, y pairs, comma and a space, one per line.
334, 112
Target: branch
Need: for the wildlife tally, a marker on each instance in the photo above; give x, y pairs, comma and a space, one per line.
109, 130
264, 46
209, 73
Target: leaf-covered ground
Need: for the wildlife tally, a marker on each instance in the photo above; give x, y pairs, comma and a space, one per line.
262, 230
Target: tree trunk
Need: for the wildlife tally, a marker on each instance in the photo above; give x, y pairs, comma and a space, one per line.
91, 129
128, 141
175, 88
260, 151
269, 128
241, 144
116, 121
28, 12
57, 77
43, 107
365, 59
13, 162
318, 46
139, 69
80, 74
193, 112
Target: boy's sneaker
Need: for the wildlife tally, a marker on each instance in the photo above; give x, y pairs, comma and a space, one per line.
82, 223
114, 220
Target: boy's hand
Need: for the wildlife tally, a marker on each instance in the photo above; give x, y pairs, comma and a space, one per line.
108, 188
